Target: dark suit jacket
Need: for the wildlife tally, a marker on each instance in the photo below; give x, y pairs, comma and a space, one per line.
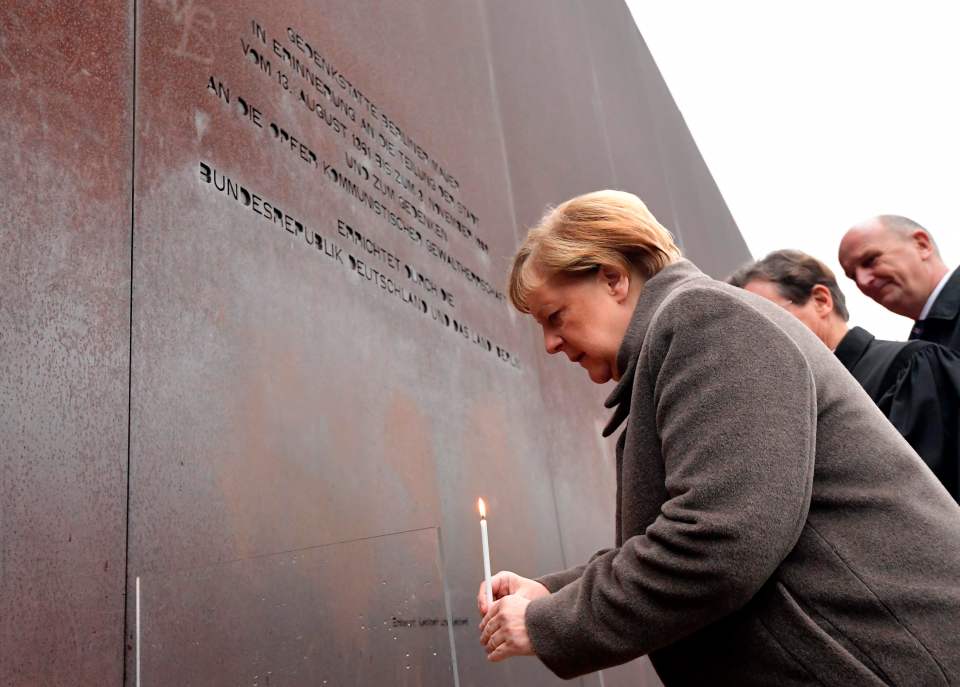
916, 384
772, 527
942, 324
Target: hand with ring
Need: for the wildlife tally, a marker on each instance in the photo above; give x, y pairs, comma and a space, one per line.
503, 630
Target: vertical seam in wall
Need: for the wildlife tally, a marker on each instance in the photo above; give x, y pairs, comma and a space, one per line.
447, 609
665, 173
657, 128
485, 27
133, 170
598, 108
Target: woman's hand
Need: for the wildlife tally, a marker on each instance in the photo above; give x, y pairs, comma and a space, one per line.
503, 631
505, 583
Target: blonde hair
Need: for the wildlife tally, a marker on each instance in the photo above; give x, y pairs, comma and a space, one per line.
603, 228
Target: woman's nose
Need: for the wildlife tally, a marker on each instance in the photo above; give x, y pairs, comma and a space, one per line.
552, 342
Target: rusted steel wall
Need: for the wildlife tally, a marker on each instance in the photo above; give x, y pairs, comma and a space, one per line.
323, 372
65, 166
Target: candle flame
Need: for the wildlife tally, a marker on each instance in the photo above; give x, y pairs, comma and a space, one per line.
482, 507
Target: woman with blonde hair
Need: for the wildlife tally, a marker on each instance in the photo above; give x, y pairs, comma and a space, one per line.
772, 527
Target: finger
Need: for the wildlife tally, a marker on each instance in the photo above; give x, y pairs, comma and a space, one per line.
500, 653
502, 648
482, 603
491, 627
495, 584
482, 598
500, 584
491, 612
496, 639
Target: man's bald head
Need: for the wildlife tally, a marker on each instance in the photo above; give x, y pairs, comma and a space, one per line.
894, 261
898, 225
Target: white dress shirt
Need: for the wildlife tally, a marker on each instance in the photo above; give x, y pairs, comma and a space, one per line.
933, 296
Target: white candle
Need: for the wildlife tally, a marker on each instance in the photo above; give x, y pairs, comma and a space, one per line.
486, 550
138, 630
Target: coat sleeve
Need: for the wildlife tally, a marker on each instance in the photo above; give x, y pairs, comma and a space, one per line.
924, 405
557, 580
736, 420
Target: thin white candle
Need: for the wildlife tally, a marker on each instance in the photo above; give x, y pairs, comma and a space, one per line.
486, 550
138, 630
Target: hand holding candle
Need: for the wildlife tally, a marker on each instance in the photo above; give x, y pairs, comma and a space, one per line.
503, 632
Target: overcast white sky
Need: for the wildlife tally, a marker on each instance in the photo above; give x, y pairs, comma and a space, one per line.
814, 115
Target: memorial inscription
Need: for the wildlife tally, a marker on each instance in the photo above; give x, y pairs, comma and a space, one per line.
280, 134
405, 165
383, 167
273, 214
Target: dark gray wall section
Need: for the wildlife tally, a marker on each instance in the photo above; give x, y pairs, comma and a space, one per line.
65, 156
286, 406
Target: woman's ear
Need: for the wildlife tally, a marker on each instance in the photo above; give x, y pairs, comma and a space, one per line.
615, 281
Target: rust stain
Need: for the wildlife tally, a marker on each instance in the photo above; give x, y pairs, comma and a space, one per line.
408, 436
52, 57
255, 470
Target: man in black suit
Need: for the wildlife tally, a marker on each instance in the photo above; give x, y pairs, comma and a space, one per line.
895, 262
916, 384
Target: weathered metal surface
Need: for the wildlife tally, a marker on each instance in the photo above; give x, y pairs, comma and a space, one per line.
368, 612
324, 367
284, 395
65, 89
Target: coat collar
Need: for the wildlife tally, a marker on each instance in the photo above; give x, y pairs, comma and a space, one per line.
652, 295
947, 304
852, 346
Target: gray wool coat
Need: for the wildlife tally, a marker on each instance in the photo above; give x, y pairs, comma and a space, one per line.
772, 527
